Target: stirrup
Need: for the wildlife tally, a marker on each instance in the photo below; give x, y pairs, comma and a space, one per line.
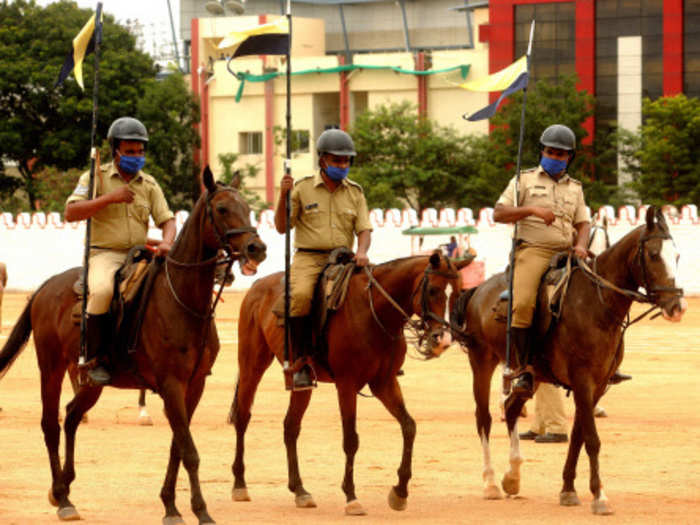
523, 385
99, 376
303, 379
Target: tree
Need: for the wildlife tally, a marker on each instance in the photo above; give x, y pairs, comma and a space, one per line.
248, 171
664, 157
44, 126
403, 159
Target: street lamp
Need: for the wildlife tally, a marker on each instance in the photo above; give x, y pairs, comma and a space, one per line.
217, 7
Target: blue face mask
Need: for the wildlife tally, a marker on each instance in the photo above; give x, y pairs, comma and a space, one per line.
337, 174
131, 163
553, 166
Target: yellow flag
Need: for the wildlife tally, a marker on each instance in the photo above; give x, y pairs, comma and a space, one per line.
265, 39
499, 80
83, 44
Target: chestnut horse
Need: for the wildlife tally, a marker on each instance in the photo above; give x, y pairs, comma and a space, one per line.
580, 351
366, 346
175, 352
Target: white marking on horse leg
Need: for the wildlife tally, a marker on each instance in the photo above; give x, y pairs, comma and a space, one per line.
491, 490
511, 479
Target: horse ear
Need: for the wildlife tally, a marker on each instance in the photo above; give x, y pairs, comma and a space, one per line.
236, 180
208, 179
650, 216
461, 264
435, 259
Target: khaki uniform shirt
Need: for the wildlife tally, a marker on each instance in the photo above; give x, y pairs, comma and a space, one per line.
324, 220
564, 197
122, 225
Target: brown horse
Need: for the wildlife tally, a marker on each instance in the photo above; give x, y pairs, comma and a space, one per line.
366, 346
174, 355
580, 351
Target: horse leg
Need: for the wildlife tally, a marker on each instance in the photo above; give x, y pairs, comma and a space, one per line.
511, 479
179, 413
144, 416
51, 381
390, 395
249, 377
584, 411
568, 496
85, 398
298, 403
347, 399
482, 371
75, 385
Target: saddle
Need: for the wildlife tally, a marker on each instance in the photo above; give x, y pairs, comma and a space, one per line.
132, 285
550, 295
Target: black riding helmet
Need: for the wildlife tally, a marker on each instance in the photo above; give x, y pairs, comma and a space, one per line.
336, 142
126, 128
560, 137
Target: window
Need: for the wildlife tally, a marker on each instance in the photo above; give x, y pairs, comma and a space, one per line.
300, 141
250, 143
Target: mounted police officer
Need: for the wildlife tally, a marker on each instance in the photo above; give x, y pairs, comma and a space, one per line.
550, 208
327, 211
124, 199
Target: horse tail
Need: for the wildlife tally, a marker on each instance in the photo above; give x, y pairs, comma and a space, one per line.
17, 340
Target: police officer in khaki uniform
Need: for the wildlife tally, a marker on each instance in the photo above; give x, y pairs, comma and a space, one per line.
327, 211
549, 423
550, 207
124, 199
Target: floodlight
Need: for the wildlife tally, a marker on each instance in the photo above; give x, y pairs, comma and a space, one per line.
215, 8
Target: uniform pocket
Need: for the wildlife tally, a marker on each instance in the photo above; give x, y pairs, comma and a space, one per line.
348, 217
141, 210
313, 216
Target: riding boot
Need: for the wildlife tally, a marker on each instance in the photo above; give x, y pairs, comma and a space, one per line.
300, 335
523, 384
98, 339
618, 377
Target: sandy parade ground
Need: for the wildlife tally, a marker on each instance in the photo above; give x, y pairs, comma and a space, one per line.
650, 456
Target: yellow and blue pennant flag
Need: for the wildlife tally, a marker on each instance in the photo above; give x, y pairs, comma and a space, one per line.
265, 39
83, 45
508, 80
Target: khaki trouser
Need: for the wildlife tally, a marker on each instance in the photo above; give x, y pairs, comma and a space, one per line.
303, 275
103, 265
531, 262
549, 410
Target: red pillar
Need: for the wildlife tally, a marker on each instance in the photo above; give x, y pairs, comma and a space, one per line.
269, 135
585, 55
205, 117
422, 86
344, 96
194, 73
673, 47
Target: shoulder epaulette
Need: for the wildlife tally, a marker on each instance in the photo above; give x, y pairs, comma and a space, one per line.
355, 184
303, 179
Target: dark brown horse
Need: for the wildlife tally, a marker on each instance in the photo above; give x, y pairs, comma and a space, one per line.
176, 351
581, 351
366, 347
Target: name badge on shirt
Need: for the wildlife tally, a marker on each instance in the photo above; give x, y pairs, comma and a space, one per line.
311, 206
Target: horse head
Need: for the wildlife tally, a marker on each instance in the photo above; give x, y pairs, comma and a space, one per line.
656, 265
598, 239
228, 224
430, 301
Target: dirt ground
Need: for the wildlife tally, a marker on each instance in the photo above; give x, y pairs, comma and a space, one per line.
650, 457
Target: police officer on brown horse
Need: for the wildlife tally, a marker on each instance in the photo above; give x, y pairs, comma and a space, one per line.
550, 207
327, 211
124, 199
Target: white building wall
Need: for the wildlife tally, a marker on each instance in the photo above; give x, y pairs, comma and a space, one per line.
37, 246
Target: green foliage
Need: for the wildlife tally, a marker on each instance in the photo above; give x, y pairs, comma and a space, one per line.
247, 172
44, 126
402, 159
664, 158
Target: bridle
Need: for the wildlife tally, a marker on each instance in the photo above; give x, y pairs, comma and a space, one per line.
223, 244
652, 292
421, 326
591, 236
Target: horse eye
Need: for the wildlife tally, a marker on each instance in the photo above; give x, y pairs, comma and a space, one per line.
221, 209
433, 291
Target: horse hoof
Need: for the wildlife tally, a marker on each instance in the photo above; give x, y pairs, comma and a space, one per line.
396, 502
173, 520
599, 412
355, 508
52, 500
240, 494
492, 492
569, 499
68, 514
510, 485
305, 501
145, 420
601, 507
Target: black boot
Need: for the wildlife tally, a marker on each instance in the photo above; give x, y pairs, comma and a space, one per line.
618, 377
300, 335
98, 339
520, 343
